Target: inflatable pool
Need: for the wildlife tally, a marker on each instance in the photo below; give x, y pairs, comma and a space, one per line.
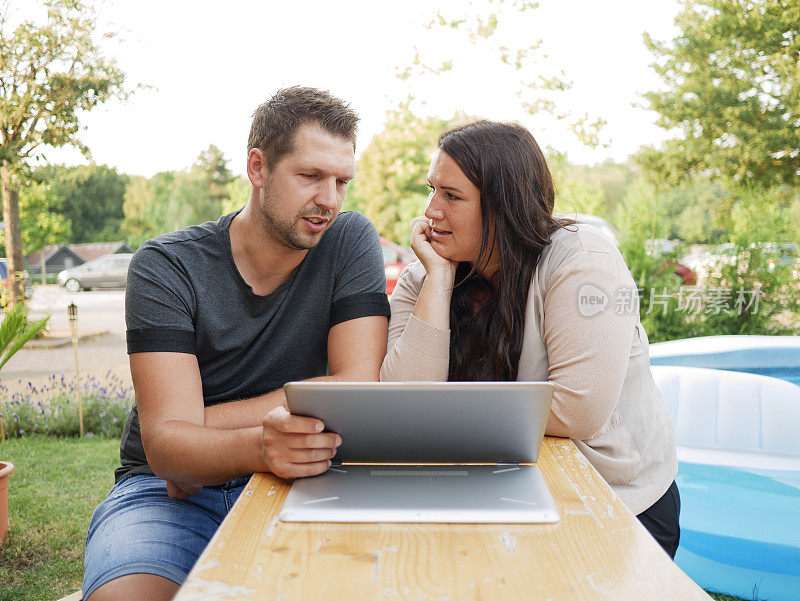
776, 356
738, 437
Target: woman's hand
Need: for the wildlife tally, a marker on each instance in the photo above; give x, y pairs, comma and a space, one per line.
433, 262
433, 303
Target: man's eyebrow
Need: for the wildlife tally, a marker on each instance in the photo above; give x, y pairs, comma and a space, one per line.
318, 169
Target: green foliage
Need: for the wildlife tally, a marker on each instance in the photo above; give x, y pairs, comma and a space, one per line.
390, 187
612, 179
696, 211
171, 200
90, 197
493, 28
757, 217
50, 74
55, 487
16, 330
237, 192
641, 217
51, 410
746, 290
741, 58
575, 194
213, 167
42, 221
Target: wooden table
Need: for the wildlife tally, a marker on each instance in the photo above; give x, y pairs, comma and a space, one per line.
597, 551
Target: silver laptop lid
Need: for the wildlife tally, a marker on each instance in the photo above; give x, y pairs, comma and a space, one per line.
449, 422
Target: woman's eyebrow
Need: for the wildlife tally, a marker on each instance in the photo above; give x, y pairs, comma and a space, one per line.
449, 188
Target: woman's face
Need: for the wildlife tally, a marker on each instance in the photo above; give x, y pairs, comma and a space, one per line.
454, 210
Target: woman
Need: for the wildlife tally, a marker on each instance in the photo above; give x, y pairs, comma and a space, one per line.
503, 291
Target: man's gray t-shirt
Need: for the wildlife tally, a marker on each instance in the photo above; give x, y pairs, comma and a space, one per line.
186, 295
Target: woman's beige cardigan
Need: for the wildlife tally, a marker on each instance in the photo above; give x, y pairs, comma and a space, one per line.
582, 333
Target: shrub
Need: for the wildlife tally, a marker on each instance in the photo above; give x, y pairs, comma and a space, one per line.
51, 410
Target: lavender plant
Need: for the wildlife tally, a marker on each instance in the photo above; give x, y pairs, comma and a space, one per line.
50, 409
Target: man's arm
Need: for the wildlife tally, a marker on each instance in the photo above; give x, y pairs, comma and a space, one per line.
181, 448
355, 350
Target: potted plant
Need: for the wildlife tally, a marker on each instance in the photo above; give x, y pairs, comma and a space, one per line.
15, 331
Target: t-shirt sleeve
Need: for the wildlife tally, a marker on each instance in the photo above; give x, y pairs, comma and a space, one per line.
360, 288
159, 303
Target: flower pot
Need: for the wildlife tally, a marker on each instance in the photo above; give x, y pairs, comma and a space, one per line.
5, 471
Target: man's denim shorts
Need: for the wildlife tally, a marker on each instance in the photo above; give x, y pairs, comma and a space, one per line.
138, 529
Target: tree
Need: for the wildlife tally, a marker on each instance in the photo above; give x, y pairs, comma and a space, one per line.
492, 29
390, 186
49, 74
575, 194
696, 211
237, 193
91, 197
42, 221
213, 165
137, 224
171, 200
732, 84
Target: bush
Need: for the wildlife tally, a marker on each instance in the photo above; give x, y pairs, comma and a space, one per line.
746, 292
50, 410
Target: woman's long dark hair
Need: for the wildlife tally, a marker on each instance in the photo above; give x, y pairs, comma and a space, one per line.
506, 164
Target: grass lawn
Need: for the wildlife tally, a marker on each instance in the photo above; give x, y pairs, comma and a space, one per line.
55, 486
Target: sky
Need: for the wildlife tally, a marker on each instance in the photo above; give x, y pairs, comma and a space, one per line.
207, 65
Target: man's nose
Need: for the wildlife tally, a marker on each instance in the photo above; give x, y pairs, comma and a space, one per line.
327, 195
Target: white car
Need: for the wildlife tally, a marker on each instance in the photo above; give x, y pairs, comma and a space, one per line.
108, 271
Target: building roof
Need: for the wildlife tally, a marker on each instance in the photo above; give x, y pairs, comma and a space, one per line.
83, 252
92, 250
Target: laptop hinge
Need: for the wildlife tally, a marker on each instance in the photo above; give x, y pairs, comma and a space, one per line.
501, 464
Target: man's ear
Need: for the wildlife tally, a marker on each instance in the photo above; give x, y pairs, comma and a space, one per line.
256, 167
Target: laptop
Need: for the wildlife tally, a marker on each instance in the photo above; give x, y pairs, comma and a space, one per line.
397, 433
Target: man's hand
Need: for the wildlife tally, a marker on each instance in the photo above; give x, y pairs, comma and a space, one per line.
182, 490
294, 446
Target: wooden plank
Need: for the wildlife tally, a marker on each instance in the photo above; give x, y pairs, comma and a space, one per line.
597, 551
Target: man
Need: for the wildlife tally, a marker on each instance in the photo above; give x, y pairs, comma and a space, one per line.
219, 317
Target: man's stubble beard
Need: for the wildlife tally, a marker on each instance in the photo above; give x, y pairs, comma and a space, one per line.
282, 231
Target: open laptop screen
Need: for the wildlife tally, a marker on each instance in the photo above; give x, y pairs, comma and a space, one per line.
425, 422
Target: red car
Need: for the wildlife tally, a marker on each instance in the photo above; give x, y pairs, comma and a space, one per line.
395, 259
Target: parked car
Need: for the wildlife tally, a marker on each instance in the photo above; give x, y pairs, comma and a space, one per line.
108, 271
4, 283
773, 254
661, 247
395, 259
609, 231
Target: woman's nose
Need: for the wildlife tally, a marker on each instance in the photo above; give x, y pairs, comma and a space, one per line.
432, 211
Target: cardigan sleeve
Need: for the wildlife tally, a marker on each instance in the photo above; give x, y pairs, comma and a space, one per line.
588, 348
416, 351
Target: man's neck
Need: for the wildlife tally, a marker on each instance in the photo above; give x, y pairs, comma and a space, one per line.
262, 262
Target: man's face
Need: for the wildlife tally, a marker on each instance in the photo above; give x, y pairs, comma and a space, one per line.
303, 193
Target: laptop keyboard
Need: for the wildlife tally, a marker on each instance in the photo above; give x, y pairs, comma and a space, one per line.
396, 472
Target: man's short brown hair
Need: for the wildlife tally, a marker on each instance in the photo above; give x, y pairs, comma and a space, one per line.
276, 122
